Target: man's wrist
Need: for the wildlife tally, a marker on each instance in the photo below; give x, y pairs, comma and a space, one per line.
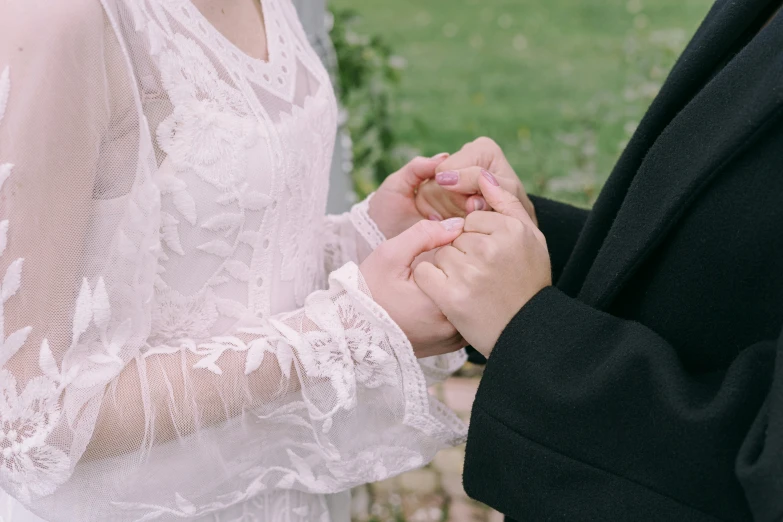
485, 348
486, 345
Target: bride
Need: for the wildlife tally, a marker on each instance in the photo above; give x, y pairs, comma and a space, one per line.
184, 334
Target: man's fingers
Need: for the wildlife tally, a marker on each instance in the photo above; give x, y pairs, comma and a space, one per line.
421, 237
471, 242
466, 180
432, 282
501, 200
483, 152
484, 222
466, 157
449, 259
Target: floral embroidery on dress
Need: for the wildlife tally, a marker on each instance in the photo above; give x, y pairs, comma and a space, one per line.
210, 128
302, 248
31, 466
370, 357
175, 316
378, 461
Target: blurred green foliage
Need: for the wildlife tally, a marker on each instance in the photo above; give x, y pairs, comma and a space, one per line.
367, 81
560, 84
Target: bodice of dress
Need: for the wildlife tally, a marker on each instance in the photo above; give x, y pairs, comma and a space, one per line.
185, 333
246, 151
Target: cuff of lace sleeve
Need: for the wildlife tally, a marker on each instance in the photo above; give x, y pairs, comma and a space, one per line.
422, 411
440, 367
364, 224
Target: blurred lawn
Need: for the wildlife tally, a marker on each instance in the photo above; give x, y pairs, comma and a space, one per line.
560, 84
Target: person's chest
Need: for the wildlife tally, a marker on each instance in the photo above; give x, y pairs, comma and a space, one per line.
243, 151
242, 22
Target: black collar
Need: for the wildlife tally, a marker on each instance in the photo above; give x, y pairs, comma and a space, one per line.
695, 126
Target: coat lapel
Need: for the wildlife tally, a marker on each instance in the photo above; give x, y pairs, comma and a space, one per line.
711, 130
722, 27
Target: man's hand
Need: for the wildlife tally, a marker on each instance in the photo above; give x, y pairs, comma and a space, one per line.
393, 207
389, 276
489, 272
460, 175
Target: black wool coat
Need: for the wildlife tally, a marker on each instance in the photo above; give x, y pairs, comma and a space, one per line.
647, 384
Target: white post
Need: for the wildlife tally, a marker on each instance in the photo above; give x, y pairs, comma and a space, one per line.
314, 19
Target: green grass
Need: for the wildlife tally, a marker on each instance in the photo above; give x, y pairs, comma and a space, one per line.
560, 84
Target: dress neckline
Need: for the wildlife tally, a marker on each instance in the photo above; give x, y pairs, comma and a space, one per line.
275, 74
266, 24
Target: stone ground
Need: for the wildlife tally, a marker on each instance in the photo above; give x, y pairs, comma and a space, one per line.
434, 493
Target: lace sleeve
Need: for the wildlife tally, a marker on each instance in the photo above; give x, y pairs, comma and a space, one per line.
319, 400
99, 421
351, 236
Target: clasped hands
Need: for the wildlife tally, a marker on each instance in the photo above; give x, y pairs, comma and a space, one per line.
464, 253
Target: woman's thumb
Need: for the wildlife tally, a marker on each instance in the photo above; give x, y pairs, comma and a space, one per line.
421, 237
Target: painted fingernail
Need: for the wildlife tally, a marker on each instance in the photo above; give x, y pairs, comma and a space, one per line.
479, 204
435, 217
453, 224
450, 177
441, 156
490, 177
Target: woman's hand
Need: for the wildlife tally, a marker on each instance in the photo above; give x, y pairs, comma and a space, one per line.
388, 274
491, 271
393, 207
459, 175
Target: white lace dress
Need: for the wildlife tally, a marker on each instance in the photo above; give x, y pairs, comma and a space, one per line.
184, 334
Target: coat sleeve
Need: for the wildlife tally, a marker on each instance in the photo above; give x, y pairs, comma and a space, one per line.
760, 462
584, 416
561, 224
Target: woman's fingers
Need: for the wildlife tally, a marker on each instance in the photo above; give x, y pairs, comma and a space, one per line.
415, 172
471, 180
433, 201
401, 251
466, 181
484, 222
427, 209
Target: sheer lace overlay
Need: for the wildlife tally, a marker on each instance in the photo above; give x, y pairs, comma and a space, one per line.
184, 334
